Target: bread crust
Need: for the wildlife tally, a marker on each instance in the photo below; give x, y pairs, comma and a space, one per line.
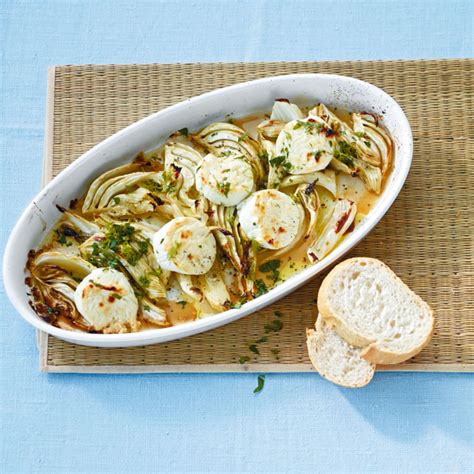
375, 355
310, 334
372, 353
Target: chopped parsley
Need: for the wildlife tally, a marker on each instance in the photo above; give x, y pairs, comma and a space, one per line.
116, 296
182, 303
274, 326
310, 125
116, 200
173, 251
253, 348
271, 266
144, 281
165, 184
97, 284
260, 384
224, 188
184, 131
281, 161
243, 359
64, 232
261, 288
61, 238
345, 153
120, 240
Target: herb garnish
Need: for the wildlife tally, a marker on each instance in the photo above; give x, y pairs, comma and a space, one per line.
271, 266
184, 131
182, 303
346, 153
61, 238
310, 125
166, 183
120, 239
64, 231
224, 188
261, 288
281, 161
260, 384
98, 284
173, 251
253, 348
274, 326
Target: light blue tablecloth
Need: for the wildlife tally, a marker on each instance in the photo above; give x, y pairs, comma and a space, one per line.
182, 423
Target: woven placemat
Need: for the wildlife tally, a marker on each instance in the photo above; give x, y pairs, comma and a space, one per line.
426, 237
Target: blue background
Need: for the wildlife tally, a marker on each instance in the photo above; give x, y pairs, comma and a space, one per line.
66, 423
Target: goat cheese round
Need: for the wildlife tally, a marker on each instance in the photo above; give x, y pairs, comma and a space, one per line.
105, 298
271, 218
185, 245
307, 145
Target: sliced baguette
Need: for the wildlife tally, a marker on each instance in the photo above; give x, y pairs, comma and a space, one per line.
335, 359
370, 307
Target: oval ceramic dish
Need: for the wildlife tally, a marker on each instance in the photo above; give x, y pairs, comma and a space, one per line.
239, 100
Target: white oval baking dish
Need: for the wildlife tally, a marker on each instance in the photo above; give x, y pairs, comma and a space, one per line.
150, 132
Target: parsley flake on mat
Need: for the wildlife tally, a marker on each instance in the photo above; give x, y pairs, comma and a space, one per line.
253, 348
274, 326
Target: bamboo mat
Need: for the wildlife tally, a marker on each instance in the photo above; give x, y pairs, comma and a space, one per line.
426, 237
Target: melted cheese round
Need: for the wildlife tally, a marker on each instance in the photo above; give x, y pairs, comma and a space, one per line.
271, 218
185, 245
306, 145
106, 299
225, 180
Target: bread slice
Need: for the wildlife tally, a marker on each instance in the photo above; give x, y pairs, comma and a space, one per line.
335, 359
370, 307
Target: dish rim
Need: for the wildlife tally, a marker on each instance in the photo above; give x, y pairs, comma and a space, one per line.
161, 335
